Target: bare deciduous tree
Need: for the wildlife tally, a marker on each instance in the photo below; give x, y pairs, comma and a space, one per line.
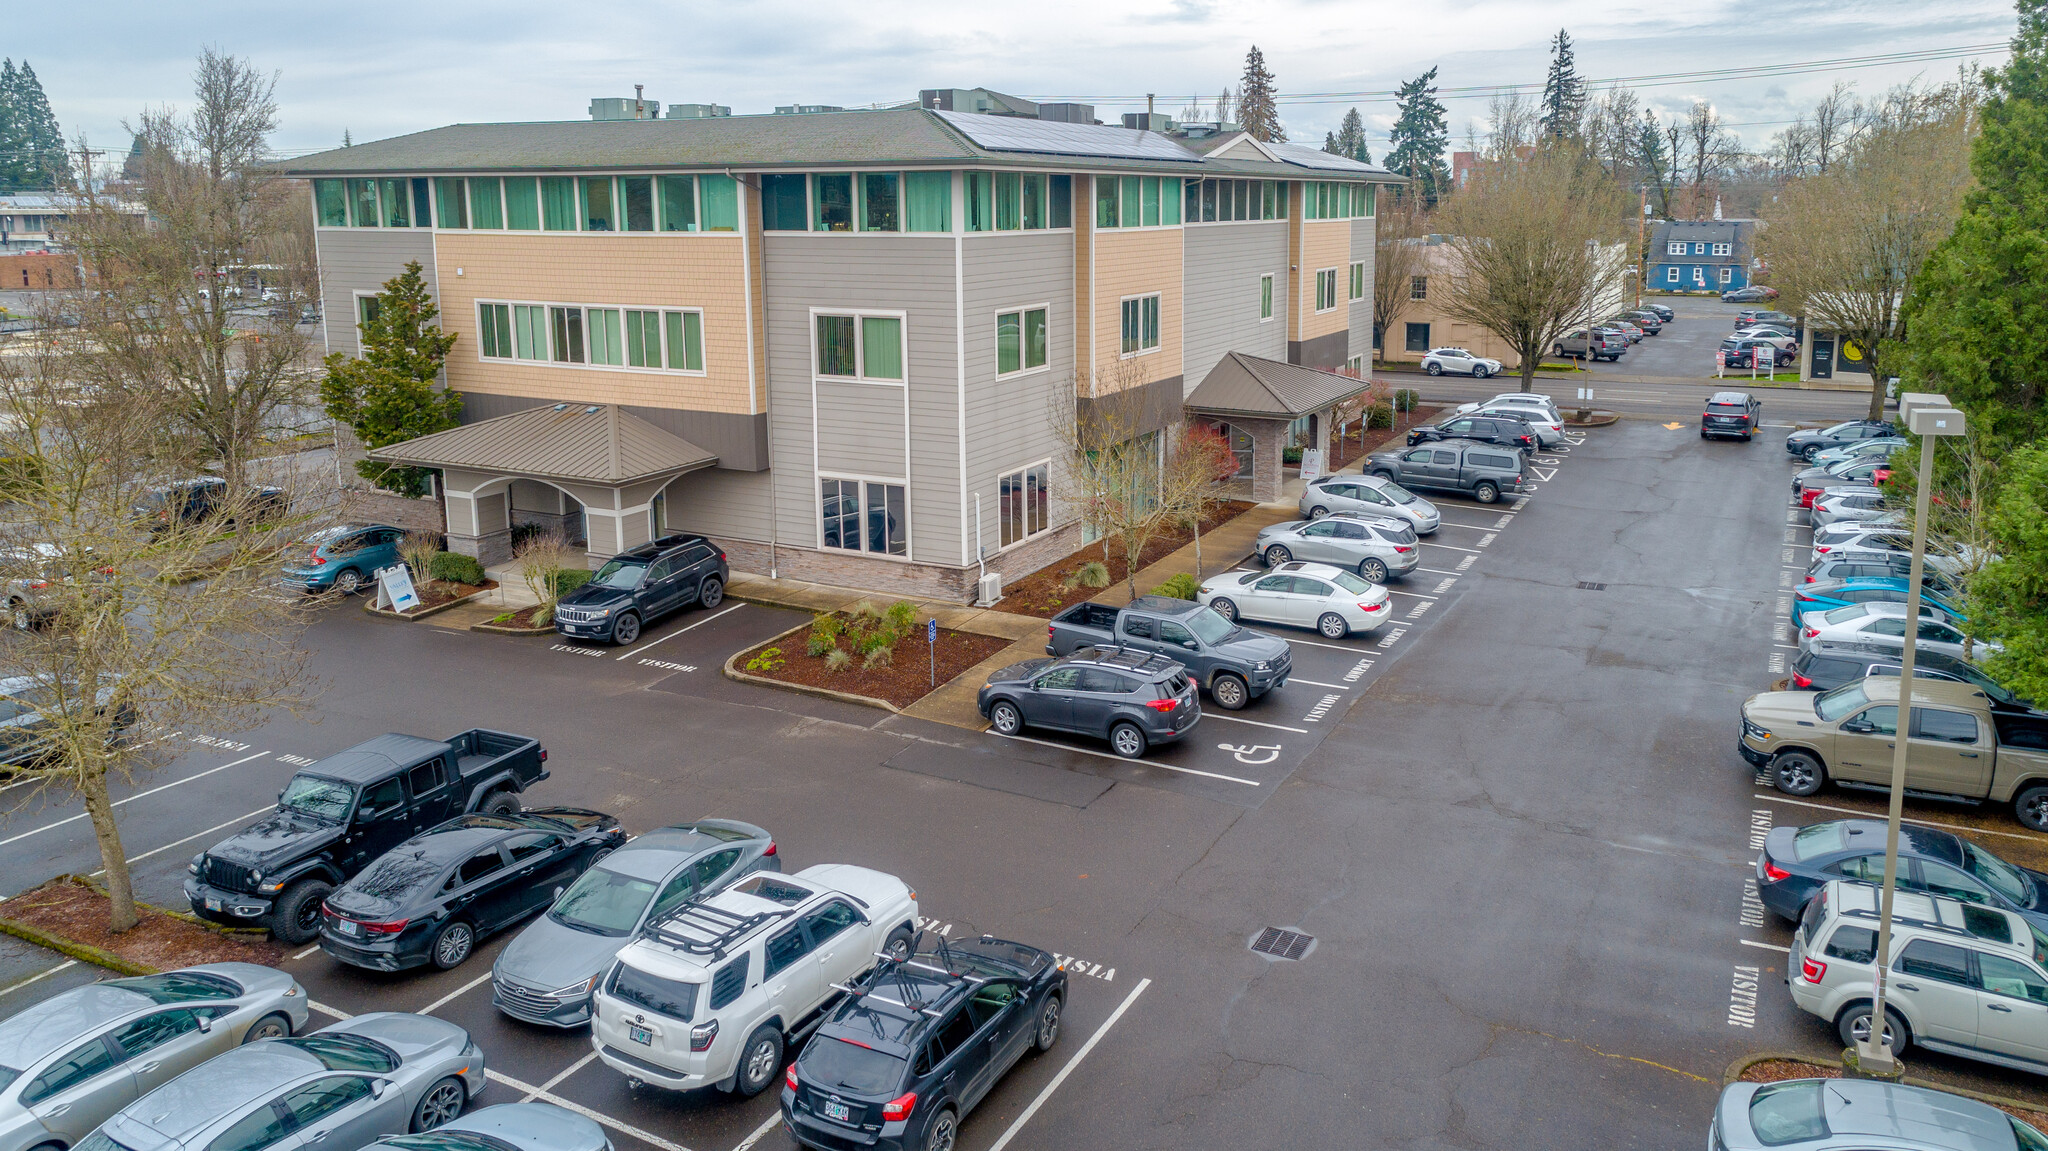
1398, 253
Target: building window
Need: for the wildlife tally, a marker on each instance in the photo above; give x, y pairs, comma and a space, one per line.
567, 324
451, 203
636, 203
1700, 248
1326, 289
1023, 503
367, 309
861, 347
1327, 200
1674, 248
1724, 249
598, 210
685, 340
362, 203
1266, 297
606, 345
1418, 337
1355, 363
1358, 280
1727, 275
330, 200
393, 195
928, 200
1671, 274
522, 204
1140, 325
558, 203
832, 197
1222, 201
886, 527
1135, 202
1418, 287
1020, 341
880, 206
678, 204
494, 330
530, 331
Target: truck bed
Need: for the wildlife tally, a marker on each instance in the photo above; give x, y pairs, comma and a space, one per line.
1099, 616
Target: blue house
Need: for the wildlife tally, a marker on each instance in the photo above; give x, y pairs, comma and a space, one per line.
1700, 255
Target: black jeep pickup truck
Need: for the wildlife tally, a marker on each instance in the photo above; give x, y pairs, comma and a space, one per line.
1236, 664
337, 815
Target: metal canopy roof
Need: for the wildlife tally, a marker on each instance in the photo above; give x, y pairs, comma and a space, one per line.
576, 443
1253, 386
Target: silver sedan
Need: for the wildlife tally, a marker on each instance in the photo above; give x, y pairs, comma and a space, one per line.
525, 1126
72, 1060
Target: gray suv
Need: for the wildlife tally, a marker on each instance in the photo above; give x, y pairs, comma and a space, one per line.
1132, 698
1376, 547
1371, 495
1484, 471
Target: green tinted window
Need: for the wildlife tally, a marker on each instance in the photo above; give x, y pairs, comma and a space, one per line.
451, 203
522, 204
685, 340
881, 340
678, 203
394, 193
980, 201
486, 203
928, 201
362, 203
558, 203
718, 202
330, 200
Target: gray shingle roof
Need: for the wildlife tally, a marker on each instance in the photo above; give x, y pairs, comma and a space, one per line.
1254, 386
592, 444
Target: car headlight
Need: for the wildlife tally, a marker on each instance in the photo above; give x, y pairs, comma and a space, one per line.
1752, 729
1263, 665
257, 875
575, 988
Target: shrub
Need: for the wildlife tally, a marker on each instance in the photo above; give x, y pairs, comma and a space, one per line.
902, 618
1290, 455
1380, 415
879, 657
1094, 573
1406, 399
767, 659
837, 659
416, 550
1182, 586
569, 579
456, 567
824, 636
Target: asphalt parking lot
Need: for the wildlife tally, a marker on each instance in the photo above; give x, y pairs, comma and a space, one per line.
1520, 835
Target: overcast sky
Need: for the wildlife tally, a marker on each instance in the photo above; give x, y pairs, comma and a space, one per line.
378, 68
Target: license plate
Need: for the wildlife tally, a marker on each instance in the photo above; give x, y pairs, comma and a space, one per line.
639, 1035
213, 905
840, 1112
348, 927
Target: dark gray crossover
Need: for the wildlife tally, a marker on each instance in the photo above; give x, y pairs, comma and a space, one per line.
1132, 698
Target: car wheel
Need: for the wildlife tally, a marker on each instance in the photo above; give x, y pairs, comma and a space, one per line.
711, 593
1005, 717
276, 1025
1808, 452
1481, 371
761, 1058
1485, 492
1797, 773
1229, 692
295, 917
626, 630
1333, 626
1277, 554
502, 803
442, 1102
22, 618
1224, 608
1382, 473
945, 1129
2031, 808
348, 581
1434, 369
1318, 512
1126, 740
1048, 1024
453, 943
897, 946
1372, 569
1854, 1027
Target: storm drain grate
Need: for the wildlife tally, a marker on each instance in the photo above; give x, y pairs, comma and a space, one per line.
1585, 586
1280, 943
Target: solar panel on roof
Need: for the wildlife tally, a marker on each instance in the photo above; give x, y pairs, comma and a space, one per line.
1015, 134
1317, 158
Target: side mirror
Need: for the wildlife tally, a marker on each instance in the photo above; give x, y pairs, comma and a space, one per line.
1191, 645
205, 1024
378, 1087
558, 893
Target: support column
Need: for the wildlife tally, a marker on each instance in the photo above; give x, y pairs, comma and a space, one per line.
479, 516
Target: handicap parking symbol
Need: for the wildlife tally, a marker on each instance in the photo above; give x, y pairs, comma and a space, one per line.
1253, 753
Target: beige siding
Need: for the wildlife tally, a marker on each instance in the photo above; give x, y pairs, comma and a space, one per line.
1136, 262
1324, 244
356, 260
1224, 263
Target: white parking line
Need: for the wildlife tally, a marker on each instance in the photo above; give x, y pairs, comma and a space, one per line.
1475, 527
571, 1069
1448, 547
1255, 723
1416, 594
1766, 946
1319, 683
43, 974
761, 1132
1121, 759
136, 796
1331, 646
193, 836
1439, 571
306, 952
681, 630
1053, 1086
437, 1004
1777, 798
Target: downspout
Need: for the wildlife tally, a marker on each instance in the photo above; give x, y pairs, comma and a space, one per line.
979, 552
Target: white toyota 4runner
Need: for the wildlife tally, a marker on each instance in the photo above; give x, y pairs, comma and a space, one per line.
711, 993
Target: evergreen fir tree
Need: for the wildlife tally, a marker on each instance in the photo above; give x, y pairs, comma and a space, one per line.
1652, 160
1421, 133
1257, 111
13, 142
387, 395
1564, 91
1351, 138
32, 153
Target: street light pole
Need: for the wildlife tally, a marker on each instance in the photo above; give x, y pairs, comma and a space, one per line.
1930, 417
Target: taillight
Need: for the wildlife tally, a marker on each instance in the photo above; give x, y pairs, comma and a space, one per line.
1048, 631
770, 851
1810, 579
1810, 632
1774, 873
316, 559
1800, 680
1402, 549
1371, 606
898, 1109
38, 585
543, 755
1802, 597
702, 1035
789, 1077
1811, 969
1162, 704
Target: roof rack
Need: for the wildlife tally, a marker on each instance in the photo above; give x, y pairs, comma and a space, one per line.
719, 929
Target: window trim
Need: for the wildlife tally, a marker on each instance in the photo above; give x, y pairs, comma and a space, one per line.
1159, 319
1267, 283
1356, 286
860, 360
1320, 273
1724, 249
1022, 470
1674, 247
820, 475
476, 313
1021, 310
469, 180
1415, 282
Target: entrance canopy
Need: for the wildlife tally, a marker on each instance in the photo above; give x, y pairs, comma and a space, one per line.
1258, 398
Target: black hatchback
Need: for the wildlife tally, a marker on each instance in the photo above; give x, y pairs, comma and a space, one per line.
1132, 698
916, 1044
431, 898
1485, 429
635, 588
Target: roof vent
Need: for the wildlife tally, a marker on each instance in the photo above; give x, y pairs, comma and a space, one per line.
591, 410
561, 407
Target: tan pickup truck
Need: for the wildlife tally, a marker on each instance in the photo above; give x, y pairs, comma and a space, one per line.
1960, 745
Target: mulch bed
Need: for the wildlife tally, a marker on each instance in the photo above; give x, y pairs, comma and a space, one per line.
1044, 593
73, 911
437, 593
1777, 1070
905, 681
524, 617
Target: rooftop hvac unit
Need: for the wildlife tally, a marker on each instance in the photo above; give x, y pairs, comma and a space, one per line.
989, 590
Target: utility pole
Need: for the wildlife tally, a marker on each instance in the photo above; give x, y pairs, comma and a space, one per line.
1642, 259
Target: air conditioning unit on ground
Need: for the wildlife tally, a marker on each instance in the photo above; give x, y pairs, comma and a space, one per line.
990, 589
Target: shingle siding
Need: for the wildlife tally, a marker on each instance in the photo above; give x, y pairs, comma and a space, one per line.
1224, 263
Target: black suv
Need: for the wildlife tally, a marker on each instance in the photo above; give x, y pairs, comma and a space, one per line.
634, 588
1813, 441
917, 1043
1132, 698
189, 502
1485, 429
1731, 414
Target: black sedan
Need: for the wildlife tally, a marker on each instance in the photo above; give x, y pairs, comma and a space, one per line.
431, 898
1796, 862
1485, 429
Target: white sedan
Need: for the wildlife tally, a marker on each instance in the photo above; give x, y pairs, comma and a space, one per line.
1329, 599
1884, 624
1459, 362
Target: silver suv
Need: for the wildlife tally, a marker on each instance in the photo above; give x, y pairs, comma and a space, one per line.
1372, 495
1376, 547
1964, 979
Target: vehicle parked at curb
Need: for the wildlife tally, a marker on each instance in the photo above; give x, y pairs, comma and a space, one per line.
1235, 664
1459, 362
1326, 598
1483, 471
637, 587
1650, 322
1534, 399
917, 1044
75, 1059
186, 503
1859, 1114
1663, 311
1747, 294
1548, 428
336, 1089
1829, 594
1588, 344
1740, 351
1884, 625
1959, 745
1509, 433
28, 738
1796, 862
1372, 495
1861, 504
1830, 665
507, 1127
1810, 442
344, 558
1867, 472
1783, 339
1860, 537
1882, 446
337, 815
1378, 548
1732, 414
545, 975
714, 992
1133, 699
1750, 317
32, 571
1962, 978
434, 897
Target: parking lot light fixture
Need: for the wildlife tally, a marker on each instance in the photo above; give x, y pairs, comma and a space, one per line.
1930, 417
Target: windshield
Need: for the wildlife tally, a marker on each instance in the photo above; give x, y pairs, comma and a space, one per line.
1210, 627
603, 902
1845, 614
446, 1141
1397, 493
2002, 876
662, 996
326, 799
1787, 1113
620, 574
1351, 583
1833, 705
848, 1066
346, 1052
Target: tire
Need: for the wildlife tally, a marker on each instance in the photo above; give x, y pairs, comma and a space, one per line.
626, 629
1229, 692
2031, 808
1047, 1032
348, 581
1277, 555
711, 592
1434, 369
453, 944
1005, 718
442, 1102
760, 1059
1481, 371
501, 803
276, 1025
1318, 512
1486, 492
1558, 350
1333, 626
898, 945
1797, 773
295, 917
1853, 1024
21, 617
944, 1131
1372, 569
1808, 452
1382, 473
1224, 608
1127, 741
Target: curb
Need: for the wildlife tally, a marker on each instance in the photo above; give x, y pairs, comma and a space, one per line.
1612, 419
437, 609
733, 673
1744, 1063
84, 953
222, 929
506, 629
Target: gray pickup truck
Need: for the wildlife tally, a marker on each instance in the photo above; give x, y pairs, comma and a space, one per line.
1482, 471
337, 815
1236, 664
